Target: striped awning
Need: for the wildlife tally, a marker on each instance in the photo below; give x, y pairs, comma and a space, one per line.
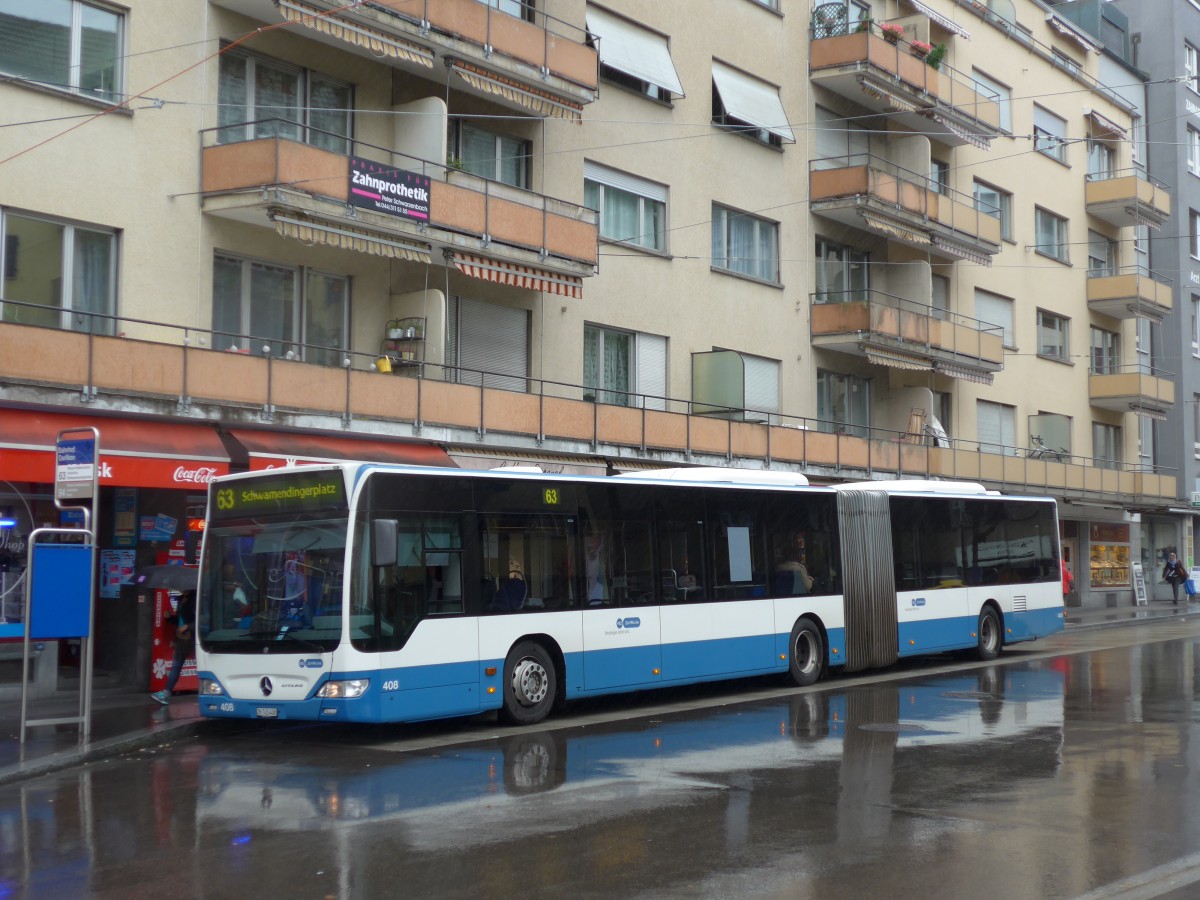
967, 253
516, 275
352, 33
975, 140
895, 229
934, 16
897, 360
525, 95
1148, 412
370, 242
1068, 29
874, 89
1106, 125
962, 372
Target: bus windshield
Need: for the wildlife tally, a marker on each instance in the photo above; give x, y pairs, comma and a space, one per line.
273, 587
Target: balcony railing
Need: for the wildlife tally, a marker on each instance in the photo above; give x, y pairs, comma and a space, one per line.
1128, 197
1131, 388
867, 191
149, 367
1130, 292
860, 322
886, 76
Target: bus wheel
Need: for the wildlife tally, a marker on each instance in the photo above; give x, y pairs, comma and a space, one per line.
530, 684
988, 647
807, 656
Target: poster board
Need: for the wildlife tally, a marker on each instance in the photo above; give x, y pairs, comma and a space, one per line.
1139, 585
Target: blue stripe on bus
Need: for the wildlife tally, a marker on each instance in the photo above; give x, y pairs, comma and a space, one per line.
959, 632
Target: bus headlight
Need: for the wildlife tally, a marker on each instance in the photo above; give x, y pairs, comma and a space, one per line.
344, 690
210, 688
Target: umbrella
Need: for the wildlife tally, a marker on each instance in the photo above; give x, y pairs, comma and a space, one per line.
169, 578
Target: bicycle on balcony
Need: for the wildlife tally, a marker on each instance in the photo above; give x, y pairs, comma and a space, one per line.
1039, 450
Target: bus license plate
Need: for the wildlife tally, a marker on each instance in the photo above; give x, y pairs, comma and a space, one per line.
267, 712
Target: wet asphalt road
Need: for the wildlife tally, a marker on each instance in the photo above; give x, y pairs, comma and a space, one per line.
1066, 770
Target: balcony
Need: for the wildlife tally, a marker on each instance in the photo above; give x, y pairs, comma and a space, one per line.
288, 186
540, 67
886, 77
1128, 197
867, 192
1130, 293
899, 333
1133, 388
160, 370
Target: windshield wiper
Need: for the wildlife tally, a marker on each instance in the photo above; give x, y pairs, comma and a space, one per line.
284, 634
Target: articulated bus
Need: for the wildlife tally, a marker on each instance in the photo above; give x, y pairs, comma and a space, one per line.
367, 593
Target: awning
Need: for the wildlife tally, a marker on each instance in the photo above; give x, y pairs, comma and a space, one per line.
751, 100
935, 16
377, 42
516, 92
133, 452
631, 49
518, 276
1106, 125
876, 92
279, 449
372, 243
1147, 412
896, 360
959, 131
963, 372
1066, 29
895, 229
967, 253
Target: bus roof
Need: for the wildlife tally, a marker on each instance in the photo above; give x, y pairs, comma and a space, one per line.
918, 486
720, 475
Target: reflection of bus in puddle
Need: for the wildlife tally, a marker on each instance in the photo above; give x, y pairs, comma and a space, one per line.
436, 800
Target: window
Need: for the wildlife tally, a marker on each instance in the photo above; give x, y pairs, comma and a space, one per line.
993, 309
940, 297
633, 56
1137, 132
488, 343
1106, 446
1193, 150
995, 203
68, 273
620, 366
843, 273
257, 304
749, 107
1106, 352
1102, 255
942, 408
1063, 61
1191, 67
1194, 233
1102, 159
282, 101
939, 177
1052, 335
1001, 93
1195, 325
1196, 425
522, 9
632, 210
66, 44
840, 142
1051, 231
1049, 134
1054, 432
1145, 440
1142, 339
995, 427
843, 403
745, 244
497, 157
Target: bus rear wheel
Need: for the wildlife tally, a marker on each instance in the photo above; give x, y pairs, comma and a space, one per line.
806, 653
988, 646
530, 684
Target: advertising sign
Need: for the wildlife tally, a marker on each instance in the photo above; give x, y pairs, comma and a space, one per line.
75, 469
1139, 585
383, 189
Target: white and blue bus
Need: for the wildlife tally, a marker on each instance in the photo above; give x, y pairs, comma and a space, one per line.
368, 593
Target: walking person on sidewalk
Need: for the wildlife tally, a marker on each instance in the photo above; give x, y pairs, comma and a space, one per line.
185, 643
1174, 575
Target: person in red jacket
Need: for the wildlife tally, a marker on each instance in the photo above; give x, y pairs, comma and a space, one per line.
1067, 578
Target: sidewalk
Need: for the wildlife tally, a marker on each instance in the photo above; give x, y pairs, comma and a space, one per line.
123, 720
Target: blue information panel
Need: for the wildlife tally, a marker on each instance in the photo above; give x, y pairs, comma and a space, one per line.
62, 591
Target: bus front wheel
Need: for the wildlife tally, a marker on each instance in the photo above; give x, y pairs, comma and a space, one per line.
988, 646
807, 652
530, 684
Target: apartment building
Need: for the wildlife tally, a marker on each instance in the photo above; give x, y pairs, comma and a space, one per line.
846, 239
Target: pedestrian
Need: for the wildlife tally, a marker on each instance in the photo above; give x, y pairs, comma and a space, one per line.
1068, 580
1174, 575
185, 643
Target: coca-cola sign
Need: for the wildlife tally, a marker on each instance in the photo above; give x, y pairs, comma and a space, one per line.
199, 475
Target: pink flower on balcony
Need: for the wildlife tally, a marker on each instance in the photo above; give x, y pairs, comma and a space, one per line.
920, 48
891, 31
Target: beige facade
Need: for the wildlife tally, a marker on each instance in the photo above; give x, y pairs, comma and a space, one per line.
223, 178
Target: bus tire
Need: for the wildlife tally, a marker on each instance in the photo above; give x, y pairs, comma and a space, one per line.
806, 652
988, 644
530, 684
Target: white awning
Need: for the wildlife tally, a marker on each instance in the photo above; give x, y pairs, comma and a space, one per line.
961, 252
1146, 412
633, 50
962, 372
959, 131
1105, 124
895, 229
752, 101
377, 42
935, 16
1068, 29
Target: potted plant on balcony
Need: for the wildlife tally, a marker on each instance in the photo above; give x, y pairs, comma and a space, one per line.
920, 48
935, 56
891, 32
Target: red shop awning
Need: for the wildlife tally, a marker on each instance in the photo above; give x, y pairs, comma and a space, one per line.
133, 452
278, 449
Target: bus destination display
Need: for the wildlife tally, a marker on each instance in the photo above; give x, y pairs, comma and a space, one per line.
294, 492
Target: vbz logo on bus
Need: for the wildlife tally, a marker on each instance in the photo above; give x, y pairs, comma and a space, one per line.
631, 622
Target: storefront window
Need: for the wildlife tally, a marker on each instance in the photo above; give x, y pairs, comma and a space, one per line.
1109, 557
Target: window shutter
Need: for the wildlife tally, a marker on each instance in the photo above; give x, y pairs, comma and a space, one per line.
494, 339
651, 353
762, 384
